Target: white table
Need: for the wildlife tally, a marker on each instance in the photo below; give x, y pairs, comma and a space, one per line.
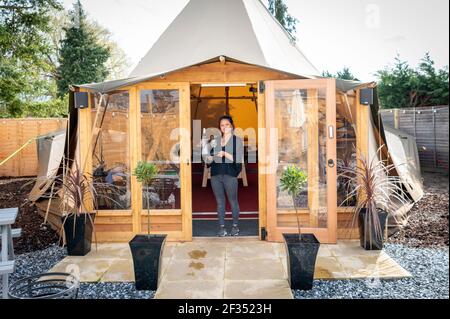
7, 218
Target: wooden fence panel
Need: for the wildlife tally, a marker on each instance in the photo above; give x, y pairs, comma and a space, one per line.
16, 132
430, 127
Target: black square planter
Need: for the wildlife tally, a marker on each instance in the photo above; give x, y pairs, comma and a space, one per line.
80, 243
368, 240
301, 259
146, 251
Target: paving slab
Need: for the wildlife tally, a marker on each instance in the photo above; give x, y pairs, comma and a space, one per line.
372, 266
121, 270
199, 250
252, 250
194, 289
254, 269
242, 268
190, 269
87, 270
257, 289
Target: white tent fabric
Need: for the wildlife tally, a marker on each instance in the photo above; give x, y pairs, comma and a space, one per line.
405, 156
243, 30
50, 152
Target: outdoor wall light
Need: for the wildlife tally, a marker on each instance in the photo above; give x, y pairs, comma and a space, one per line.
366, 96
81, 100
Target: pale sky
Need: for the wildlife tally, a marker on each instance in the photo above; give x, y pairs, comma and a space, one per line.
364, 35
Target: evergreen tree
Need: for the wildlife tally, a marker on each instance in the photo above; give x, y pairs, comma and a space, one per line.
23, 53
345, 74
280, 11
81, 58
327, 74
403, 86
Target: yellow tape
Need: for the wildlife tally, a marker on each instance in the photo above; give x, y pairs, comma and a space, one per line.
18, 151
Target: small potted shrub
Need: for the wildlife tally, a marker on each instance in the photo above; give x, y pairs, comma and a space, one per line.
301, 248
78, 221
147, 249
377, 193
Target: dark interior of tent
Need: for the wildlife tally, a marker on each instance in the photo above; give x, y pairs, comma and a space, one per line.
208, 104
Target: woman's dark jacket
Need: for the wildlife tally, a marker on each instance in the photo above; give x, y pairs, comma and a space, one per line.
224, 166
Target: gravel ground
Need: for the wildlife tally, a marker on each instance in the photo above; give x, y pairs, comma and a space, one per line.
421, 248
41, 261
113, 291
428, 266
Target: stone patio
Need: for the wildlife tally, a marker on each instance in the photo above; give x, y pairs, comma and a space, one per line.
231, 268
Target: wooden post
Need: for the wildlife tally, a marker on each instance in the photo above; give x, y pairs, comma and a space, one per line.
313, 156
262, 131
85, 143
331, 155
396, 119
270, 159
185, 161
415, 124
433, 111
135, 156
227, 100
362, 131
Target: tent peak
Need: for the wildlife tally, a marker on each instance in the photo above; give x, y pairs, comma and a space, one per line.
242, 29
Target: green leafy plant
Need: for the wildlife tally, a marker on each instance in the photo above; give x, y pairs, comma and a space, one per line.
292, 181
375, 189
145, 172
280, 11
344, 74
78, 189
402, 86
82, 59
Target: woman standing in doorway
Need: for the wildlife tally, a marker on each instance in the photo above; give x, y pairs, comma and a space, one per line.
227, 156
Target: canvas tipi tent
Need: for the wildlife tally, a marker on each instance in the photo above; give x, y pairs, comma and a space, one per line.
221, 43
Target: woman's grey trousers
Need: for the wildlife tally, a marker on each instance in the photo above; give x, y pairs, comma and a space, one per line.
222, 184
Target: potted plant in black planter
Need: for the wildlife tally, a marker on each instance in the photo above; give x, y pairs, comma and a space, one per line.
301, 248
147, 249
377, 193
78, 221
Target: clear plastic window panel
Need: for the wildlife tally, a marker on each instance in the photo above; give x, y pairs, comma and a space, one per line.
160, 122
111, 151
300, 120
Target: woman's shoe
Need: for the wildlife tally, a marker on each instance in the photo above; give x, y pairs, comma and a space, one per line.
235, 231
222, 232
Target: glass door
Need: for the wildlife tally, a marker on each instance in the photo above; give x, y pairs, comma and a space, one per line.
165, 141
301, 124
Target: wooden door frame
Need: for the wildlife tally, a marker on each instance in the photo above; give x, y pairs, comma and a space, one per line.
325, 235
185, 210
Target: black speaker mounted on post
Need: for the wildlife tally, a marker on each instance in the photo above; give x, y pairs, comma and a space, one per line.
81, 100
366, 97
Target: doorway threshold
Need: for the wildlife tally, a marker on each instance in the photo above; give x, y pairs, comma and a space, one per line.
210, 228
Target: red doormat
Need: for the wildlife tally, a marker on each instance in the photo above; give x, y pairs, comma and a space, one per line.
203, 200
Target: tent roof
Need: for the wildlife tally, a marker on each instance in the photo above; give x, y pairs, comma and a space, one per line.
241, 30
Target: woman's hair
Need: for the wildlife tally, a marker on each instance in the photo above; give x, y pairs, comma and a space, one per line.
228, 118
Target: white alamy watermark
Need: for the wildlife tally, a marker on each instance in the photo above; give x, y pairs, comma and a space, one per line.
373, 17
204, 140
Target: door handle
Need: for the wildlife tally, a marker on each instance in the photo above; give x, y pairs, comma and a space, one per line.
330, 163
331, 132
